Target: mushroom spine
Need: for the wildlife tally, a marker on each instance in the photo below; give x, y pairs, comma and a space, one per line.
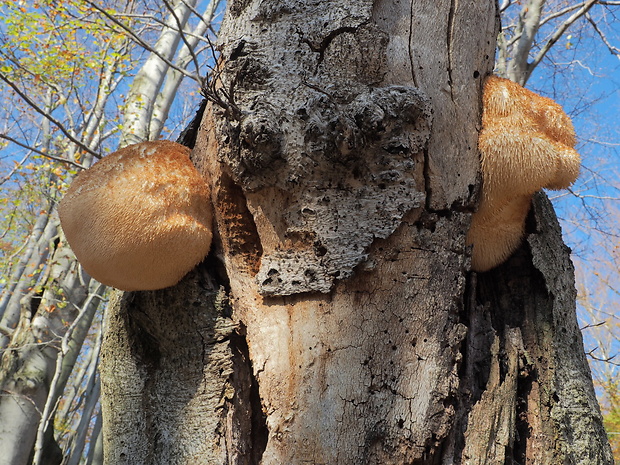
526, 144
139, 219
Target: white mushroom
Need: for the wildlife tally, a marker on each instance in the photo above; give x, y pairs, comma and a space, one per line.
526, 144
139, 219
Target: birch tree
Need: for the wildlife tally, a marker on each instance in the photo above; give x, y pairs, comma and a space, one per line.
336, 320
46, 291
532, 28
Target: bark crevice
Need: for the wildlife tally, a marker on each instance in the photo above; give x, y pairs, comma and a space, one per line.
258, 433
533, 292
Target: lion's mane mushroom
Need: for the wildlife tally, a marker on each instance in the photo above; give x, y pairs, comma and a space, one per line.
139, 219
526, 144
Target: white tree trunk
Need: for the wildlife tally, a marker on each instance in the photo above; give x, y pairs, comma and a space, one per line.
48, 292
148, 81
35, 319
174, 77
529, 22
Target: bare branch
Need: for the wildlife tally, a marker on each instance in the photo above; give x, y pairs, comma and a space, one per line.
190, 48
133, 36
562, 12
163, 23
214, 91
504, 5
558, 33
594, 325
47, 116
614, 50
603, 142
606, 359
47, 155
502, 55
14, 170
527, 28
212, 7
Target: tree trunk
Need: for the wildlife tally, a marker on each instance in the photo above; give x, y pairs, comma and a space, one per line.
343, 163
147, 83
28, 377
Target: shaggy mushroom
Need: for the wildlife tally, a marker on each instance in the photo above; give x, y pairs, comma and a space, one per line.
139, 219
526, 144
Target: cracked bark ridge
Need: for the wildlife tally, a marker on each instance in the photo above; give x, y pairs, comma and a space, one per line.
538, 404
344, 166
149, 354
582, 437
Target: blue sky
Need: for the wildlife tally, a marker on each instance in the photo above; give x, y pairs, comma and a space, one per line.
584, 77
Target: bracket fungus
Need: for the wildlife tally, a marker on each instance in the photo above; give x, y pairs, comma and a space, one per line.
526, 144
139, 219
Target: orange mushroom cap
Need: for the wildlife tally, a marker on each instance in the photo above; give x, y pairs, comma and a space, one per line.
526, 144
139, 219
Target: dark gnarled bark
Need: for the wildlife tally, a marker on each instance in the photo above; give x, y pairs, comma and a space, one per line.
538, 367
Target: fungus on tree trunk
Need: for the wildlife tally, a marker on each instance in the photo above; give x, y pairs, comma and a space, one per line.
141, 218
526, 144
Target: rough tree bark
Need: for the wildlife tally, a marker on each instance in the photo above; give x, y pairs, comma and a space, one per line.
336, 321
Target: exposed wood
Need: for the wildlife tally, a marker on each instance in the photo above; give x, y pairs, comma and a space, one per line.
326, 134
558, 417
491, 431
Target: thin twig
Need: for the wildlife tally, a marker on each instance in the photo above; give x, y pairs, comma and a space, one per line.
595, 325
184, 39
562, 12
559, 33
142, 43
605, 360
47, 155
614, 50
47, 116
14, 170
